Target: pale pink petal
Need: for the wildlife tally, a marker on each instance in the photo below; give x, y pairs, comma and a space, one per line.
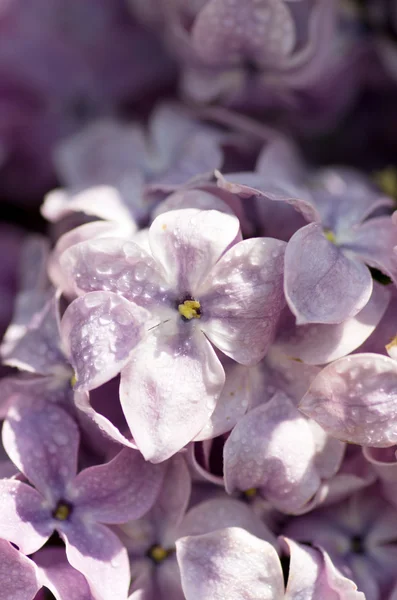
242, 298
222, 512
229, 563
168, 391
188, 243
99, 555
83, 233
99, 332
103, 202
114, 265
354, 399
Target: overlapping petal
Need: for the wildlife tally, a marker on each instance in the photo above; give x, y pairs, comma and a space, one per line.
122, 489
272, 449
18, 576
187, 244
213, 566
323, 285
318, 343
353, 399
242, 298
99, 331
42, 441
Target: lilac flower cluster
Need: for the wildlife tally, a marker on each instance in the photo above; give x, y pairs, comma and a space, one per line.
198, 331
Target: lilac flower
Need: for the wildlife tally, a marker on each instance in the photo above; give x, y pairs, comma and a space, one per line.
274, 448
246, 53
232, 563
136, 162
199, 286
359, 535
326, 277
42, 441
151, 540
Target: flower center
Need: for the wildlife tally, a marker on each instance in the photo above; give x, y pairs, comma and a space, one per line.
190, 309
357, 544
158, 554
62, 511
330, 235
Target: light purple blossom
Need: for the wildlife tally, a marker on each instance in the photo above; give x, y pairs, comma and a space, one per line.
200, 285
78, 507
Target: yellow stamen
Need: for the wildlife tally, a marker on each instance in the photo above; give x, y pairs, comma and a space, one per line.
250, 493
330, 235
387, 181
392, 343
62, 512
158, 553
190, 309
73, 380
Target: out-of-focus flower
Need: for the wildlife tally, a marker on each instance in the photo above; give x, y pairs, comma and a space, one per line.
60, 68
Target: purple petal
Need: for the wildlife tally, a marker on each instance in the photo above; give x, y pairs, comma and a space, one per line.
99, 331
345, 198
374, 242
101, 423
39, 350
197, 199
354, 399
99, 555
168, 391
214, 566
318, 344
272, 448
124, 488
59, 577
233, 402
42, 441
113, 265
322, 285
106, 151
181, 239
18, 576
25, 520
83, 233
243, 297
219, 513
103, 202
312, 575
172, 501
225, 32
